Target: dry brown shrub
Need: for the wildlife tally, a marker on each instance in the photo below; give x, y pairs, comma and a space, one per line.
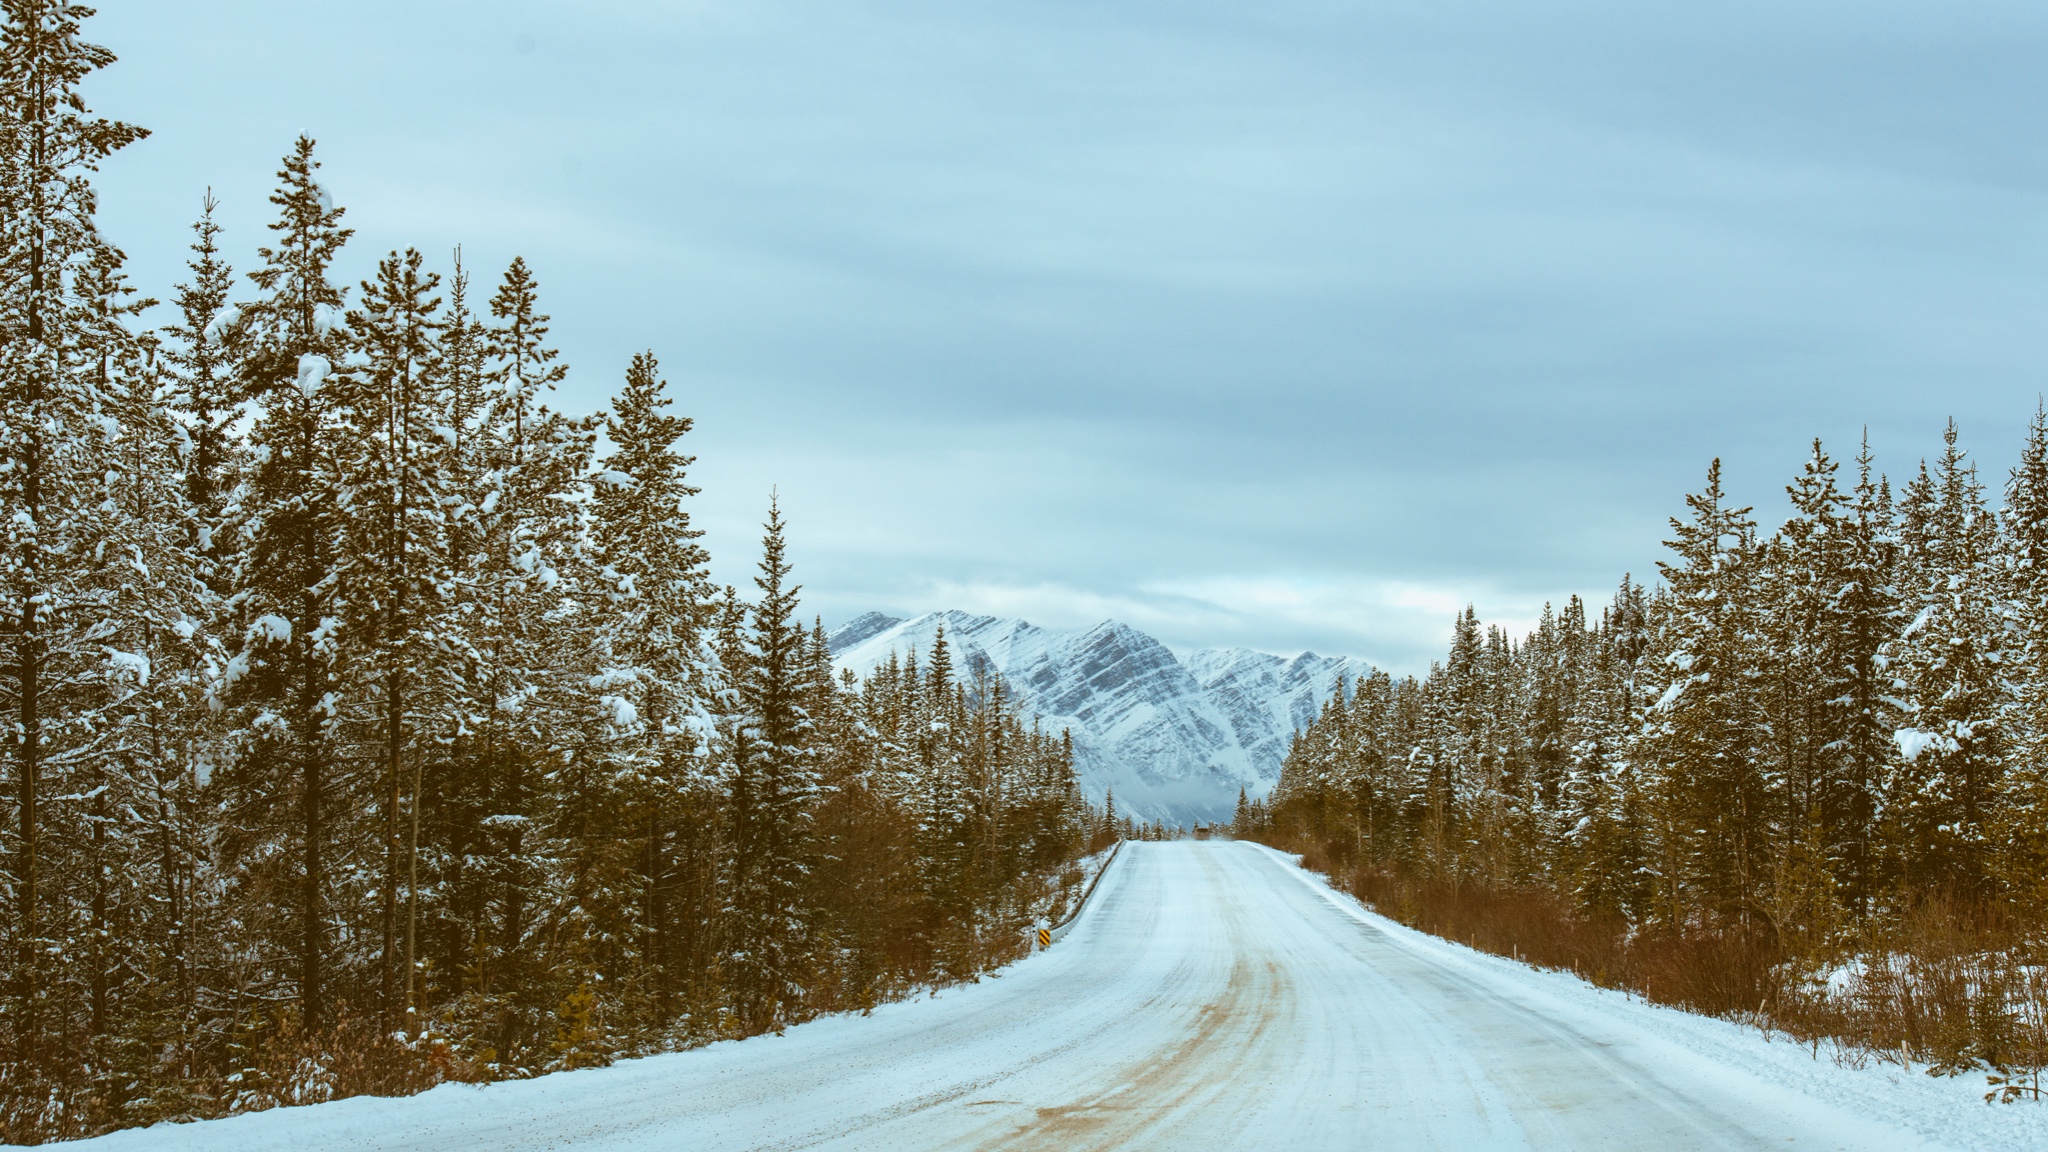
1720, 970
1951, 983
293, 1065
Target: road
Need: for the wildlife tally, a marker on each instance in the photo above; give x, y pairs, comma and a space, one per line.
1212, 996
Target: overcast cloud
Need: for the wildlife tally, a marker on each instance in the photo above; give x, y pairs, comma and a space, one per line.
1278, 324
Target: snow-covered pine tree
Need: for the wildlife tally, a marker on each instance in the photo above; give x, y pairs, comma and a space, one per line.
524, 641
1318, 790
136, 804
394, 473
53, 441
989, 774
284, 684
663, 663
851, 868
199, 370
202, 370
1376, 792
656, 567
1948, 666
540, 547
825, 695
1551, 666
451, 918
467, 393
1866, 609
1595, 851
948, 835
1702, 745
1513, 845
1602, 852
769, 795
2022, 823
1453, 743
1805, 684
526, 364
1075, 806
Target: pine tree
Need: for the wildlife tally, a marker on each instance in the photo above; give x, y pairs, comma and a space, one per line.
53, 445
135, 846
652, 557
202, 358
947, 833
203, 406
1704, 744
2022, 827
526, 638
1947, 667
769, 794
528, 365
1866, 611
1606, 852
1455, 742
394, 474
659, 610
1806, 686
286, 677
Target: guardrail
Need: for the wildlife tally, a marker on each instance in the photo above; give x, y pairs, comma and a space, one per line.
1049, 936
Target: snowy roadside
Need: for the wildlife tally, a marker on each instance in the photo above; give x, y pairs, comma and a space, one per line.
585, 1101
1075, 881
1949, 1111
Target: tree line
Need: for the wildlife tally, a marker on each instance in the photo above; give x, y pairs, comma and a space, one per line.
370, 721
1796, 736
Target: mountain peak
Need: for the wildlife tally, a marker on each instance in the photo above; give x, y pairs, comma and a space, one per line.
1175, 735
861, 627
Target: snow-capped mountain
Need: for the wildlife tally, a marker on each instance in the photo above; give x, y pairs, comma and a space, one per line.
1175, 736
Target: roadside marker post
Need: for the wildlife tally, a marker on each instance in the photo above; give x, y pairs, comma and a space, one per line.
1045, 937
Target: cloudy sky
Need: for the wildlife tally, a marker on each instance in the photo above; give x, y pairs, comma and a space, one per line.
1278, 323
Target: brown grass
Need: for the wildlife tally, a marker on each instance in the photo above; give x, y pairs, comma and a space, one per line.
1715, 970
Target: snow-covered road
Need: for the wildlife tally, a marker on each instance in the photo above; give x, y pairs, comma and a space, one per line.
1212, 996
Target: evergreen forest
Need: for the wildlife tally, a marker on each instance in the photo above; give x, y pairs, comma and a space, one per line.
372, 722
1802, 781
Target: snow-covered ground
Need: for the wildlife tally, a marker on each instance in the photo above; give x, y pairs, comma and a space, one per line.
1212, 995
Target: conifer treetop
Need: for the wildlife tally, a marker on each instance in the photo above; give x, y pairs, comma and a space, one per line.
43, 59
301, 308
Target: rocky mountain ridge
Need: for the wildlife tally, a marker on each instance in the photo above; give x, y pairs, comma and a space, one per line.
1175, 736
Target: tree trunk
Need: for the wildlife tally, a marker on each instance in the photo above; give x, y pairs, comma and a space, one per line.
312, 997
412, 900
310, 749
389, 897
28, 763
97, 952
